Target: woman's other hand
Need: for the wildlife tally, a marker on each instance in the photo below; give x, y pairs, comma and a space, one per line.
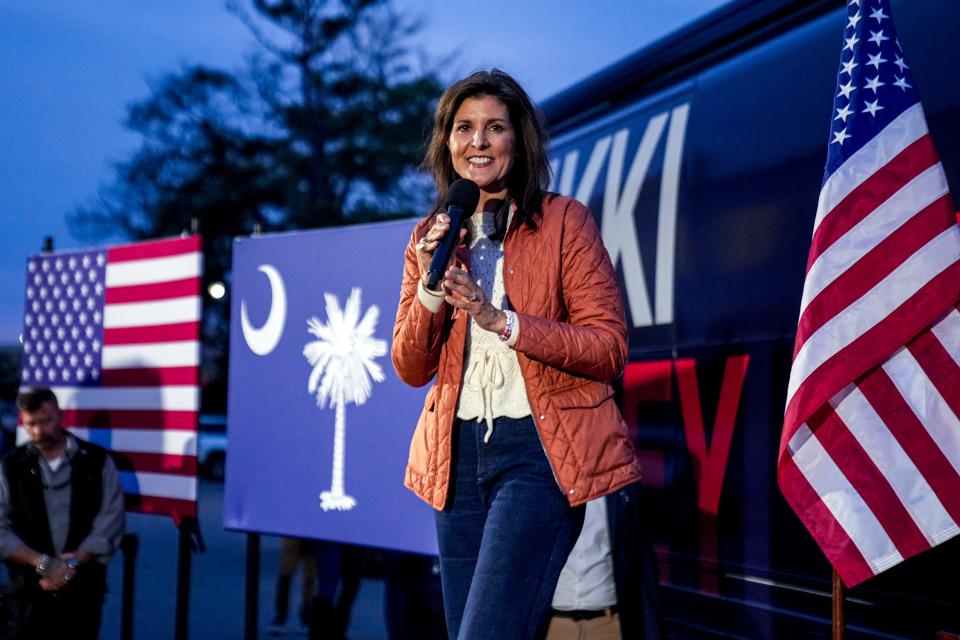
429, 243
463, 293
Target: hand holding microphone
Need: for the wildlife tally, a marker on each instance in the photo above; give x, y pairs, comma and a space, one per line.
438, 246
436, 249
427, 245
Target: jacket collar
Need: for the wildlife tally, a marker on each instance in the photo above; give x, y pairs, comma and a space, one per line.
69, 451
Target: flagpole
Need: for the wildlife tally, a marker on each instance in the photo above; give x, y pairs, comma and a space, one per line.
251, 592
183, 583
839, 594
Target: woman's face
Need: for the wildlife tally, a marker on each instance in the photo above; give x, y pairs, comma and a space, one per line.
481, 144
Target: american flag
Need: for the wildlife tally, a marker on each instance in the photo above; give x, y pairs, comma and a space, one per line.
870, 452
115, 333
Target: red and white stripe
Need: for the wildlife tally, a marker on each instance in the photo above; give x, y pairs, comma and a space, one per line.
870, 453
147, 406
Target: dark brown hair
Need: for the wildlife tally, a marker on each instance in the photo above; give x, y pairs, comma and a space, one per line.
530, 173
30, 400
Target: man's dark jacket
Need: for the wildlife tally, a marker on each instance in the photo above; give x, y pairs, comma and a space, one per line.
28, 512
634, 567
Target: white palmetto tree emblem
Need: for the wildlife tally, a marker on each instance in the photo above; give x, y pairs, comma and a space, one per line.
343, 366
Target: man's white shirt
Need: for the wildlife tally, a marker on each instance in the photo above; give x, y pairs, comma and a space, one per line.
586, 581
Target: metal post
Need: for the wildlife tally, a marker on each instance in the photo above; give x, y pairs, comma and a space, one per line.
185, 551
839, 593
251, 592
129, 546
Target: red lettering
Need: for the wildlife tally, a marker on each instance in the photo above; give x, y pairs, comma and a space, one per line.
710, 465
647, 382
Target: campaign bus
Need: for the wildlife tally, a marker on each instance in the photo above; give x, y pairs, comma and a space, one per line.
702, 157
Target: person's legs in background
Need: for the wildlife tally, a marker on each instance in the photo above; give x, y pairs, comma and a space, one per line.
309, 584
289, 558
352, 561
413, 602
79, 611
329, 561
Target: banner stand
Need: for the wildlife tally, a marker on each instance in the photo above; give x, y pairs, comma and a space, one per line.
252, 587
129, 546
190, 541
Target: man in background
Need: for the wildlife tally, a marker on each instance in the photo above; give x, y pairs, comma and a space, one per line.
61, 517
608, 590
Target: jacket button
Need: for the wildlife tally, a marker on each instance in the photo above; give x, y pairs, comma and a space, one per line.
572, 491
510, 271
543, 417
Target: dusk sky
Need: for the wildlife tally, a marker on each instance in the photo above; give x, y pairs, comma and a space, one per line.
71, 68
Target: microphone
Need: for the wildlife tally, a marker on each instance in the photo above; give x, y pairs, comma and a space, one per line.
461, 202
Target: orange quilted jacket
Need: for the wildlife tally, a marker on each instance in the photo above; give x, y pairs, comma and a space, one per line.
572, 343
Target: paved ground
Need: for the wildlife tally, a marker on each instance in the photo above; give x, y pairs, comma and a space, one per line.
217, 586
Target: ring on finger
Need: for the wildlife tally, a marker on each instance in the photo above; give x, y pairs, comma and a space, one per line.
473, 297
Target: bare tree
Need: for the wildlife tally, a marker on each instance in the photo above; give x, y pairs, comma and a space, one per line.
322, 125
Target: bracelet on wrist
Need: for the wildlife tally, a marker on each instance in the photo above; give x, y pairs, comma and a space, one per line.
42, 565
508, 327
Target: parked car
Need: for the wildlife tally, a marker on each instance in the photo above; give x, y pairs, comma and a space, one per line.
212, 445
8, 425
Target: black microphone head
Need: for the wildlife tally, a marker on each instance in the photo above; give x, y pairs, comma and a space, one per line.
464, 194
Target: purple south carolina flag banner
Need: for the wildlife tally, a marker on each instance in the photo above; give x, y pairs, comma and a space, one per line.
319, 424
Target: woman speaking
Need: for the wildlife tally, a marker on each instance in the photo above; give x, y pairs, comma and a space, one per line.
521, 342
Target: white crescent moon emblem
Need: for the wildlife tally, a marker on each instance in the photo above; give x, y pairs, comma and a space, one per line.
263, 340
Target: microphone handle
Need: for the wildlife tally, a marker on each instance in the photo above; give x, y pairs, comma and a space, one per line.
446, 249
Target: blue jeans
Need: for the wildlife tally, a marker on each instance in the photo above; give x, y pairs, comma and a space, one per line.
505, 534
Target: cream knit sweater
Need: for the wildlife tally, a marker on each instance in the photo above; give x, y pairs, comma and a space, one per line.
492, 383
